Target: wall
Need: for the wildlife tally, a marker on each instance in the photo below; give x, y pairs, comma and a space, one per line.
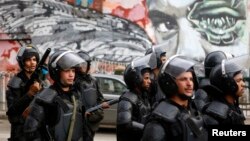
117, 31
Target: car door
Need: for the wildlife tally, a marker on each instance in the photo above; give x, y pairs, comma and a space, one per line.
112, 89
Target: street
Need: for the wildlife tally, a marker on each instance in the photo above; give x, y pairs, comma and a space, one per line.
102, 135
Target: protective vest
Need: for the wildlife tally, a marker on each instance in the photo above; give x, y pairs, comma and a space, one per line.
88, 91
224, 113
131, 109
178, 124
58, 112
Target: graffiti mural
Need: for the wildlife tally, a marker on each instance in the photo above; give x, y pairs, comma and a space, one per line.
115, 32
60, 25
220, 22
197, 27
8, 52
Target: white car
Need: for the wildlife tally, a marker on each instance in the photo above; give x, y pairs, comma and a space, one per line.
111, 86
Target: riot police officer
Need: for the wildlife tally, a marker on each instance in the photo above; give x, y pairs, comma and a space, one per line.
134, 106
159, 52
57, 112
227, 85
18, 95
211, 60
176, 118
92, 96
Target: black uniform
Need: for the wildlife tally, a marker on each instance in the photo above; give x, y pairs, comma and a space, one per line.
222, 85
133, 110
17, 102
134, 106
92, 96
57, 113
170, 121
17, 94
224, 113
51, 115
212, 59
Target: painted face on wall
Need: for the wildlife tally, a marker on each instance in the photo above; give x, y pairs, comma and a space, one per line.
200, 26
220, 22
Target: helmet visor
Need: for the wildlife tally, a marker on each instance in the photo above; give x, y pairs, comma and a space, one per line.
147, 61
70, 60
230, 67
83, 67
241, 61
160, 48
177, 65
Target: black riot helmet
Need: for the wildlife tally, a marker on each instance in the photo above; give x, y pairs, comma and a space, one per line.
84, 55
212, 59
26, 52
160, 51
171, 69
62, 60
222, 77
134, 71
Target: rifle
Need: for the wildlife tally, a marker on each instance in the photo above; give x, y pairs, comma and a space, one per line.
99, 106
35, 75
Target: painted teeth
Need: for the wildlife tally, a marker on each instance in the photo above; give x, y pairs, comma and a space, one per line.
218, 22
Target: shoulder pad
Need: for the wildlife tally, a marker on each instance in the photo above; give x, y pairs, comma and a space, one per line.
201, 94
46, 96
218, 109
166, 111
129, 96
15, 82
204, 82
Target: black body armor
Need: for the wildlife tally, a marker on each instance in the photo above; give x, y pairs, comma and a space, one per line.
91, 96
169, 121
133, 111
51, 114
224, 113
17, 101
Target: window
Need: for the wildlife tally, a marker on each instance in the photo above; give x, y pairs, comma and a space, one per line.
111, 86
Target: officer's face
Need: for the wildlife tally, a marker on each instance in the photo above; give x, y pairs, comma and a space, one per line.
67, 77
163, 59
241, 84
30, 64
83, 68
146, 81
185, 83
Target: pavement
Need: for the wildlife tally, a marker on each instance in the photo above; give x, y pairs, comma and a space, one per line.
3, 109
3, 114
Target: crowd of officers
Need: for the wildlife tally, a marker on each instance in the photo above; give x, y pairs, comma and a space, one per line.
164, 99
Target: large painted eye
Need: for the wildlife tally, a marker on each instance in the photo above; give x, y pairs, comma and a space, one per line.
164, 24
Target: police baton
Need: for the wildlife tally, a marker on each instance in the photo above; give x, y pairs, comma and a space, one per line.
137, 125
99, 106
